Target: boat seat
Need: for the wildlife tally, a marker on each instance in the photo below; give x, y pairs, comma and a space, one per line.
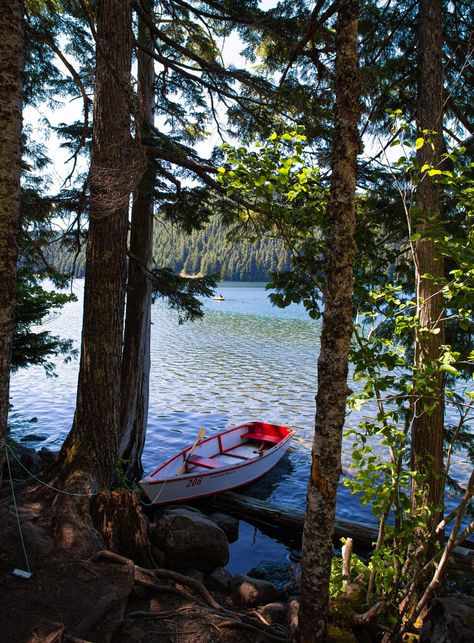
207, 463
262, 437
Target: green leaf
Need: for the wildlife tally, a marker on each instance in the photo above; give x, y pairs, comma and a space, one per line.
447, 368
420, 141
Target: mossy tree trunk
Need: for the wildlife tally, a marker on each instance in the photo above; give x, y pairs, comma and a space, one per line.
89, 455
335, 338
428, 425
136, 352
11, 76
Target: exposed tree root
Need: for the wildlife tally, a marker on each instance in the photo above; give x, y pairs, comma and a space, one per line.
89, 593
209, 607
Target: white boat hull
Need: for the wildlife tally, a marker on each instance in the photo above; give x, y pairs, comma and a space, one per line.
245, 462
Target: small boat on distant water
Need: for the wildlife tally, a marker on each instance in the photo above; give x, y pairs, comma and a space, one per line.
219, 298
221, 462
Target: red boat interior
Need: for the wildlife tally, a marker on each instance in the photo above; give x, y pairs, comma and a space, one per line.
258, 438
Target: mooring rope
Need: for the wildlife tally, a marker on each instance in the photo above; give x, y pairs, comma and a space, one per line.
45, 484
16, 512
66, 493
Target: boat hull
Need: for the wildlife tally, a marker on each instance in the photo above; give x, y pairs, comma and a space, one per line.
192, 486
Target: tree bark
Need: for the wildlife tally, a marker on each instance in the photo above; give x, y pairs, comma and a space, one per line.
11, 80
136, 352
428, 426
335, 338
89, 454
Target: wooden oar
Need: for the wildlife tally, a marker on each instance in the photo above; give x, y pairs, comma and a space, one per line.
201, 434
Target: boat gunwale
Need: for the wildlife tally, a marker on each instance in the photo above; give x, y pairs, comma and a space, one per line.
209, 493
149, 479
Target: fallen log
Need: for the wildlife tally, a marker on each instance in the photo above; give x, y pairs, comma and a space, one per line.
265, 513
260, 512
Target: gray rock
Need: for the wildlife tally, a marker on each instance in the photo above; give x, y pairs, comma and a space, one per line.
219, 580
48, 457
279, 574
250, 592
275, 612
31, 461
158, 556
190, 540
228, 524
450, 620
179, 508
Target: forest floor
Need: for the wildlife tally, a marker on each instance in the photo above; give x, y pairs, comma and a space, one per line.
105, 597
91, 594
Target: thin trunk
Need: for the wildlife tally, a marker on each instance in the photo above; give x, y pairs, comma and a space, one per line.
90, 450
428, 426
11, 76
136, 352
335, 338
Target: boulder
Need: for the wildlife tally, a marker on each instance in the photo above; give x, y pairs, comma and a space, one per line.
190, 540
250, 592
228, 524
27, 460
24, 462
450, 620
275, 613
158, 556
219, 580
279, 574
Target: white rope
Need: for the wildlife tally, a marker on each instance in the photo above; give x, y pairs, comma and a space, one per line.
16, 512
149, 504
66, 493
45, 484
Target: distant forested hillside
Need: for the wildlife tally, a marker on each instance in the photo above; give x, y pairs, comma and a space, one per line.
204, 251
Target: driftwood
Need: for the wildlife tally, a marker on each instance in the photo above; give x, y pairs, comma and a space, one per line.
260, 512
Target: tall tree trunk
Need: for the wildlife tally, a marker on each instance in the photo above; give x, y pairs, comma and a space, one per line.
11, 76
428, 426
136, 352
89, 454
335, 338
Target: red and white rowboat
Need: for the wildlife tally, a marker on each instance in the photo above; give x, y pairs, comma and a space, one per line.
221, 462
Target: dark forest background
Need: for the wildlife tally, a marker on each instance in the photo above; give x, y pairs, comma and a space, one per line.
205, 251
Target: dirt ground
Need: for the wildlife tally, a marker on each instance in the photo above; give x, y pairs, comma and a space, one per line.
105, 597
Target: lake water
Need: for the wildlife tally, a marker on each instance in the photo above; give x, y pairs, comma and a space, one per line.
245, 360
